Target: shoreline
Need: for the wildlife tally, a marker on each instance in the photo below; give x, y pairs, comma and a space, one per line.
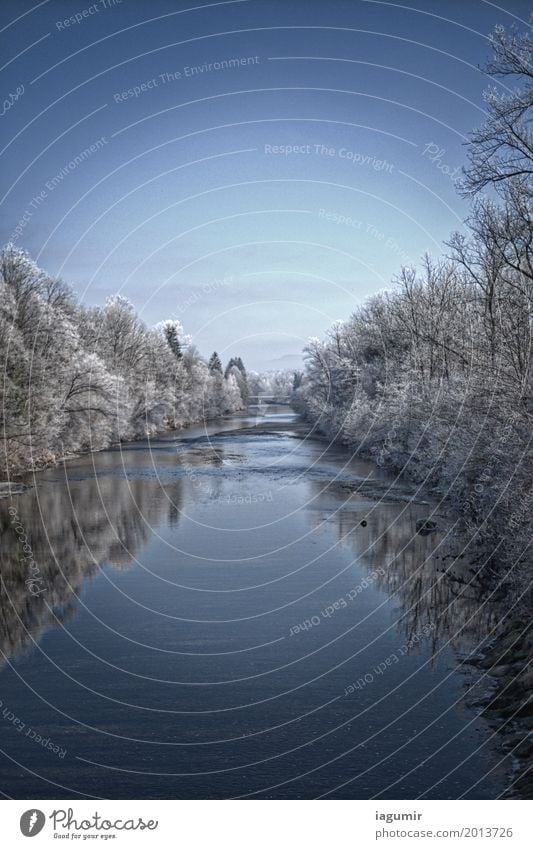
506, 699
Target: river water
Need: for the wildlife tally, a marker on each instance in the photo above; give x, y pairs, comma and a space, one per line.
234, 611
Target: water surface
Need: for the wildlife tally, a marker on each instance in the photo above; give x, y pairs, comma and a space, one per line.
237, 611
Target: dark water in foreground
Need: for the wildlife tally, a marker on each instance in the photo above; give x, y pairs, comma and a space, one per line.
201, 609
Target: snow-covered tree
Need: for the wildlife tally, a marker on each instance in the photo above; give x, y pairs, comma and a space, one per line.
78, 378
433, 377
173, 332
214, 363
236, 367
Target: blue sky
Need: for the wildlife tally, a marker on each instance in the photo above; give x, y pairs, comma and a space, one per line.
255, 169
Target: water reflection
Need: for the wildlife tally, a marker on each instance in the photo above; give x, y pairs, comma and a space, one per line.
211, 667
107, 508
102, 509
61, 533
431, 585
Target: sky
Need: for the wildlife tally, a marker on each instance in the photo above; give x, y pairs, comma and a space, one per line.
255, 168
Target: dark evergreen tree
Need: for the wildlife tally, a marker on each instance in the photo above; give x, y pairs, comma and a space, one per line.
232, 362
214, 363
171, 335
237, 366
238, 363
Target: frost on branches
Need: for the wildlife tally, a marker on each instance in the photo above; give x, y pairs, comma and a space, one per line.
78, 379
433, 377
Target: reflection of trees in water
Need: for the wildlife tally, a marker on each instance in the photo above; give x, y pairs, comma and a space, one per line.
410, 567
90, 523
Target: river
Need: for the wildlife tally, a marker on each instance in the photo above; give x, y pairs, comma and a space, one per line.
234, 611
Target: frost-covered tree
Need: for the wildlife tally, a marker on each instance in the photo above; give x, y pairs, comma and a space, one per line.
501, 150
272, 386
433, 377
77, 378
214, 363
173, 331
236, 367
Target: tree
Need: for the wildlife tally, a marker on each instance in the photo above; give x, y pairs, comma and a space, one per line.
172, 331
78, 378
214, 363
434, 377
501, 150
501, 246
236, 367
233, 362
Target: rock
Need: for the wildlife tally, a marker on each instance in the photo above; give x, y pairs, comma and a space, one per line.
526, 708
502, 707
504, 670
523, 788
425, 526
484, 662
524, 750
526, 723
480, 702
526, 792
473, 660
513, 640
518, 741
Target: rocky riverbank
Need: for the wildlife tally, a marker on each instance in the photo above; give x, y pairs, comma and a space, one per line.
506, 700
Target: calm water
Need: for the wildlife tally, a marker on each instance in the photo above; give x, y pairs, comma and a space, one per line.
202, 607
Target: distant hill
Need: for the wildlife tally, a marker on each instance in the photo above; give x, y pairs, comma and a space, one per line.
285, 362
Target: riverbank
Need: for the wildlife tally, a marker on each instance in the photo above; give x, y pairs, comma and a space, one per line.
506, 700
50, 460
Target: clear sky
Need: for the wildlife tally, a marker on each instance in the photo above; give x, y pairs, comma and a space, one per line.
254, 168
